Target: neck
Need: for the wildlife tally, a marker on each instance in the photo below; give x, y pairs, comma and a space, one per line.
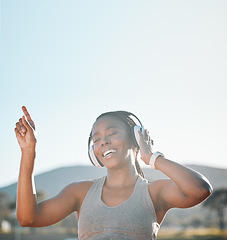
121, 177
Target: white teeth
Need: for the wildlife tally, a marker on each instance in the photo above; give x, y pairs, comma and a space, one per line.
108, 152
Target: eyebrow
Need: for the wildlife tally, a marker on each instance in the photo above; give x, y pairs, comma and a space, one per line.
106, 129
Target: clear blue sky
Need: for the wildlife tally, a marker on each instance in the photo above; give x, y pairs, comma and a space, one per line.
69, 61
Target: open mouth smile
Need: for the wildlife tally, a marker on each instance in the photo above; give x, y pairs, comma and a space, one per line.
108, 153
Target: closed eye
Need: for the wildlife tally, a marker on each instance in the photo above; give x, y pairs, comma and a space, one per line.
110, 134
96, 140
113, 133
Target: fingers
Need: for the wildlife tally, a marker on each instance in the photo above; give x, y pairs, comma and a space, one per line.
17, 133
26, 124
25, 111
146, 136
20, 129
23, 128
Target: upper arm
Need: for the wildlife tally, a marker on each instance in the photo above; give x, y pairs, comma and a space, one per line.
169, 195
55, 209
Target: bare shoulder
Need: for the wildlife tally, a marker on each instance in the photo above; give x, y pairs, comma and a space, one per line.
77, 192
79, 188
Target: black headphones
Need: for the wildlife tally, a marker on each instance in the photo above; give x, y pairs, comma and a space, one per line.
127, 118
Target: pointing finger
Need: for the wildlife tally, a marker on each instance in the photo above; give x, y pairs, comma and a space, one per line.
25, 111
26, 124
28, 117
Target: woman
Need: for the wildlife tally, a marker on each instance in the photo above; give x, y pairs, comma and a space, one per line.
121, 205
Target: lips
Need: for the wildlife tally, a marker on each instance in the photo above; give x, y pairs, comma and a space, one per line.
108, 152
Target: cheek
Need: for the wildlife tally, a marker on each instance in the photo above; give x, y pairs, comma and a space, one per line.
123, 138
95, 149
125, 146
126, 141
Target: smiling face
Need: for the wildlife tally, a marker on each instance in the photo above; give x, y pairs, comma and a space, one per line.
111, 141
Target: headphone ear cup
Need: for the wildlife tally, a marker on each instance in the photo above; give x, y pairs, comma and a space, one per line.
136, 134
95, 161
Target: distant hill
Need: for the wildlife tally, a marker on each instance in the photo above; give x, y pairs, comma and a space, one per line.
53, 181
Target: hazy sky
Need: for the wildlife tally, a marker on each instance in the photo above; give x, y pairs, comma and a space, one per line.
69, 61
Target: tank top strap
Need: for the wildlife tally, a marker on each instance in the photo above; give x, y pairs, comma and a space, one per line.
94, 192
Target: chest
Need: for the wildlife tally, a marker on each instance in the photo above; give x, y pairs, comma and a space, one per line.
115, 196
122, 213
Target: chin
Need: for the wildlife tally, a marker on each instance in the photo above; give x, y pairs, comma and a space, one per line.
115, 164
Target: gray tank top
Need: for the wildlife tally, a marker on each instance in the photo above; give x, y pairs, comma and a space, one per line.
134, 219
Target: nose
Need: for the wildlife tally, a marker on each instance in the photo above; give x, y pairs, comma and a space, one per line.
105, 141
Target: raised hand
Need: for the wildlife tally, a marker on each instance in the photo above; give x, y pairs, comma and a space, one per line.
25, 131
145, 144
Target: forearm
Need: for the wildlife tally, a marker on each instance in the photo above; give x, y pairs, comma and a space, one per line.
190, 182
26, 196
